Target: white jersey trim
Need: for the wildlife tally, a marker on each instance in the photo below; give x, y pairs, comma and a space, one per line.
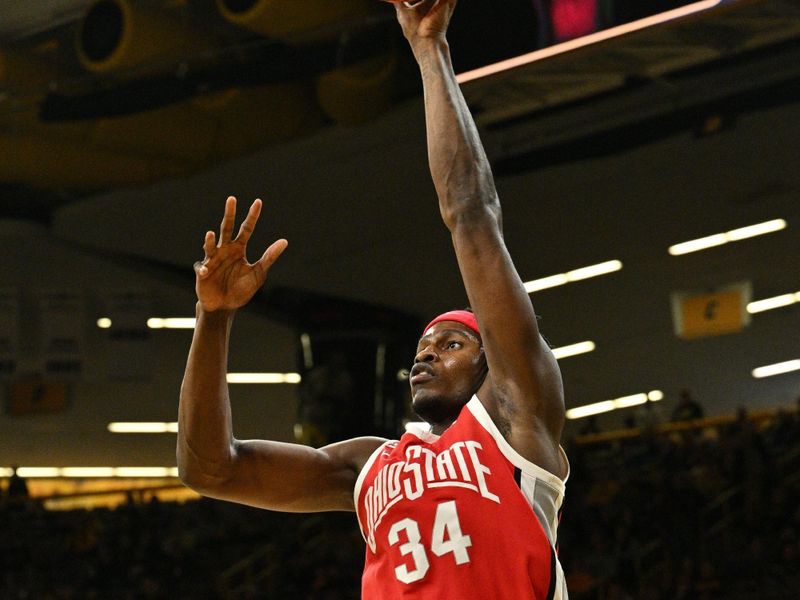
363, 475
477, 409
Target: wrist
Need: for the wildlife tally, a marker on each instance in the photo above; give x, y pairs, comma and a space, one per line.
217, 314
425, 46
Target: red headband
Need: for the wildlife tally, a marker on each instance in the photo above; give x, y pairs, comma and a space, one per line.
464, 317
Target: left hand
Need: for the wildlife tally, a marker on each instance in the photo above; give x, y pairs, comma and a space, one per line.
225, 280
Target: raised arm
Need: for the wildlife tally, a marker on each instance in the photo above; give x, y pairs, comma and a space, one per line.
211, 460
523, 390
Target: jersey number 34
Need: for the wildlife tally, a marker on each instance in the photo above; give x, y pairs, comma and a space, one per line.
445, 538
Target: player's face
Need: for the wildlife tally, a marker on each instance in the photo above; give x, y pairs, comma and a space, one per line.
448, 369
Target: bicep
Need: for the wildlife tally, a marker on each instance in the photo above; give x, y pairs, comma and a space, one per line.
292, 477
521, 364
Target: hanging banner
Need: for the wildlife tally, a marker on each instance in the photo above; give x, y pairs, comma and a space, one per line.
130, 354
34, 395
717, 312
62, 317
9, 331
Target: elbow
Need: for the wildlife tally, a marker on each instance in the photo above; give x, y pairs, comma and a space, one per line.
202, 477
200, 482
190, 475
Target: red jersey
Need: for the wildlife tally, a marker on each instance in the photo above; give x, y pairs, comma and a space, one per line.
459, 516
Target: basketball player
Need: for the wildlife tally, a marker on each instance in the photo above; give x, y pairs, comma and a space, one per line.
467, 509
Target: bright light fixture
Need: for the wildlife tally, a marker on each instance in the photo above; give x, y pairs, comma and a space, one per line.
147, 427
609, 405
32, 472
171, 323
573, 349
735, 235
777, 369
264, 378
587, 40
145, 472
772, 303
81, 472
604, 268
743, 233
87, 472
104, 322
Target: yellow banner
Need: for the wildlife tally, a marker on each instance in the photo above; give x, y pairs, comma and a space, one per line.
715, 313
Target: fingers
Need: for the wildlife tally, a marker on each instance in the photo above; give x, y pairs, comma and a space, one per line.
210, 248
226, 227
249, 223
210, 244
200, 269
410, 4
271, 255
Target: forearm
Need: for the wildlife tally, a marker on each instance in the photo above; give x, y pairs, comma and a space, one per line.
459, 167
205, 438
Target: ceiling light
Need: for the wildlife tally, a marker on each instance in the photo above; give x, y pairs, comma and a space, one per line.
264, 378
609, 405
80, 472
32, 472
546, 282
171, 323
735, 235
605, 268
772, 303
575, 275
587, 40
699, 244
87, 472
777, 369
590, 409
145, 472
753, 230
104, 322
573, 349
148, 427
632, 400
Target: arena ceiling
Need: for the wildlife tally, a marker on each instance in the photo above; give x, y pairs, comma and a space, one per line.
613, 150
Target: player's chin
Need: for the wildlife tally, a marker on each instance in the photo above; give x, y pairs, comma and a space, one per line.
422, 398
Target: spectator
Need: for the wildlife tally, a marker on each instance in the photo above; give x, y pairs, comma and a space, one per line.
649, 416
17, 492
590, 426
687, 409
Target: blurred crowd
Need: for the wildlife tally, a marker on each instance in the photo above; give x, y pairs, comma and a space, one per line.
705, 513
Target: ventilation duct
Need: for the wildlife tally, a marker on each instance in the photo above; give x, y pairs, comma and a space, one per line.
294, 20
23, 74
251, 118
218, 126
63, 164
360, 92
115, 35
120, 151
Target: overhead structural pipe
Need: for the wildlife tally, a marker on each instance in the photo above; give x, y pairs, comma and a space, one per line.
152, 145
296, 21
250, 118
216, 126
359, 92
47, 163
24, 74
118, 35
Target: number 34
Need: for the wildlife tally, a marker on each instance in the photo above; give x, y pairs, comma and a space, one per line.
446, 537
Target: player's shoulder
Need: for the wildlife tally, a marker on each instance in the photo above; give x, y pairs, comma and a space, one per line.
355, 451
